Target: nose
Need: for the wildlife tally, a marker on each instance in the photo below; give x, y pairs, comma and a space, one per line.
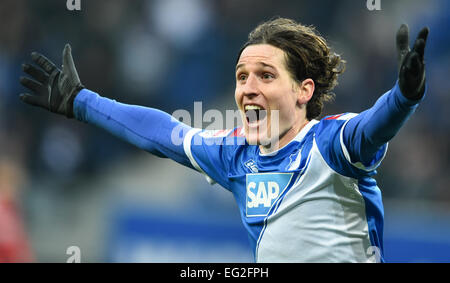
250, 87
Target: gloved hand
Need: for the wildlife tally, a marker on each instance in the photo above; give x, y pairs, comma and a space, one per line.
53, 89
411, 64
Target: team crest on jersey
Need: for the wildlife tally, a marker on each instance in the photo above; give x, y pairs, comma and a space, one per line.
263, 189
251, 164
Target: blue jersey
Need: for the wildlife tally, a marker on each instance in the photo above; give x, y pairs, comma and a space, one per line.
307, 201
313, 200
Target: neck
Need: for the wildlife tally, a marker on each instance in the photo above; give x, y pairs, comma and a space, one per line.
284, 138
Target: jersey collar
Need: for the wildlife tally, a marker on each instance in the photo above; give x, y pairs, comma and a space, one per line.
298, 138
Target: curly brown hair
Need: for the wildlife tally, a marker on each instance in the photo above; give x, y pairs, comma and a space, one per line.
307, 56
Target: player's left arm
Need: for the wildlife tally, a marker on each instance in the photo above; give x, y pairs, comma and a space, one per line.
366, 134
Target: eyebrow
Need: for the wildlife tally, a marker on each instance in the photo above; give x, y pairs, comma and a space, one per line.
259, 63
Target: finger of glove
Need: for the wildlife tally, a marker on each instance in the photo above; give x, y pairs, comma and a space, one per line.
421, 41
36, 73
402, 42
43, 62
34, 100
423, 34
68, 64
32, 85
419, 47
67, 56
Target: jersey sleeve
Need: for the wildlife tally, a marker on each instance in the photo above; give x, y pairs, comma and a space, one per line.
211, 152
368, 131
329, 137
149, 129
370, 155
355, 144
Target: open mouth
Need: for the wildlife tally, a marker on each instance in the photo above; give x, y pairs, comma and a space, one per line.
254, 113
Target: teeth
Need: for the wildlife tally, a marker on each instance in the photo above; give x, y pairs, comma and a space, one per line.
252, 107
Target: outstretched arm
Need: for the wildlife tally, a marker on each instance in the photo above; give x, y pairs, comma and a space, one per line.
61, 92
149, 129
365, 134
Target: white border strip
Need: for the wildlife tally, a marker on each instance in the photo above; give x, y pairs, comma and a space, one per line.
187, 150
358, 164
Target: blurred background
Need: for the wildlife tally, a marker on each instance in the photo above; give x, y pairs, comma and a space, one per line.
64, 183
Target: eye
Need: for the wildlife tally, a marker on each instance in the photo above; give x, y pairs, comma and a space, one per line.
267, 76
241, 77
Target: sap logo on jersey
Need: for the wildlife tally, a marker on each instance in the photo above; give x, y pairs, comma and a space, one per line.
263, 189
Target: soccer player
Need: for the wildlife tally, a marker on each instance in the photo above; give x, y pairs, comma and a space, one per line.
305, 193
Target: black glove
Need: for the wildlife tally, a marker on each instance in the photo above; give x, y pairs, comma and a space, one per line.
53, 89
411, 63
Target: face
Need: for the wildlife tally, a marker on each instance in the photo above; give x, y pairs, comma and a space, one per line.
266, 92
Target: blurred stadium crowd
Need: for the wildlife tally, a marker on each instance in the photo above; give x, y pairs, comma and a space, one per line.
167, 54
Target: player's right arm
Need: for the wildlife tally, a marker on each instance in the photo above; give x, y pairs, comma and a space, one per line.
147, 128
158, 133
61, 92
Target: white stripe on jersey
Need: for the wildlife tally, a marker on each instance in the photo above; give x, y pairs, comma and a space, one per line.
326, 220
187, 150
358, 164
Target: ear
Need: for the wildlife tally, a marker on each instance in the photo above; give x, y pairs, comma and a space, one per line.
305, 91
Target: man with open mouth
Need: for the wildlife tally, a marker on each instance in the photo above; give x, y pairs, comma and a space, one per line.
304, 186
